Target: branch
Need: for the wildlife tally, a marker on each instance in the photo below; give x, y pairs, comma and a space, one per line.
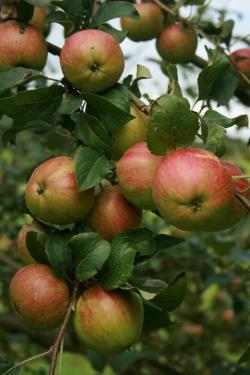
55, 347
54, 50
243, 200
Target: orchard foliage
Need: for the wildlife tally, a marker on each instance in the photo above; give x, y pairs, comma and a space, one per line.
105, 171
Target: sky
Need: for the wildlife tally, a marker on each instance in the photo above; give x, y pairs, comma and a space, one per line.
141, 53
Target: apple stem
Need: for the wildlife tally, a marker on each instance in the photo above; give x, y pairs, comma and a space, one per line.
30, 359
243, 200
56, 346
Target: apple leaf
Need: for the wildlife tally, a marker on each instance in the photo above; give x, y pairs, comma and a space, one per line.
91, 168
212, 117
18, 76
111, 10
213, 138
59, 254
36, 249
154, 317
90, 251
166, 129
172, 296
117, 34
60, 17
32, 104
60, 141
70, 103
148, 285
92, 132
24, 11
164, 241
245, 357
7, 367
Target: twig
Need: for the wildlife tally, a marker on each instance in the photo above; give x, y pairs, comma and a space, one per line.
55, 347
37, 356
54, 50
243, 200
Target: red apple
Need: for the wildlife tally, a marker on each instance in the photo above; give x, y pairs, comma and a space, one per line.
109, 322
39, 297
129, 134
177, 43
193, 191
238, 211
52, 196
148, 26
112, 214
21, 48
135, 172
92, 60
21, 240
241, 61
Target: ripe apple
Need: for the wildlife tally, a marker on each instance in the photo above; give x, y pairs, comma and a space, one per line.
238, 211
177, 43
109, 321
112, 214
52, 196
38, 19
241, 61
39, 297
129, 134
148, 26
135, 172
92, 60
21, 240
21, 48
193, 190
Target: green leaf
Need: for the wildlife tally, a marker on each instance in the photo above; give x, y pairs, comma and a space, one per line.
32, 104
70, 103
111, 10
166, 130
91, 168
245, 358
77, 11
60, 141
148, 285
59, 254
117, 34
92, 132
154, 317
60, 17
214, 141
10, 133
213, 118
142, 73
24, 11
7, 367
164, 242
172, 296
90, 251
41, 3
35, 247
17, 77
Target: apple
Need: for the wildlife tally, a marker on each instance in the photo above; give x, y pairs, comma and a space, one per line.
25, 48
92, 60
38, 19
135, 173
109, 322
112, 214
241, 61
21, 240
39, 297
238, 211
177, 43
193, 190
130, 133
52, 196
148, 26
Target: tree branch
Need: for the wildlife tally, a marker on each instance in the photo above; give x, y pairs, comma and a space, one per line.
243, 200
54, 50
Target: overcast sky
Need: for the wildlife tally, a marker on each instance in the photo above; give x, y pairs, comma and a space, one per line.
140, 53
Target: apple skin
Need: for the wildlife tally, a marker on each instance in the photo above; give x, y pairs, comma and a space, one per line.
39, 297
241, 60
38, 19
112, 214
109, 322
92, 60
177, 44
238, 211
52, 196
132, 132
21, 240
193, 191
148, 26
135, 173
27, 49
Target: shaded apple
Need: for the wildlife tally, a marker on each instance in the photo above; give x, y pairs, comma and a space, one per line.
177, 43
52, 196
241, 61
112, 214
23, 251
109, 322
26, 48
135, 172
193, 190
39, 297
148, 26
130, 133
92, 60
38, 18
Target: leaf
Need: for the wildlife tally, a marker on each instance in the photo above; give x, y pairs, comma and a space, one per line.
32, 104
60, 17
7, 367
166, 130
59, 141
117, 34
91, 168
215, 140
154, 317
164, 241
90, 251
59, 254
92, 132
24, 11
245, 357
142, 73
36, 249
77, 11
228, 81
18, 76
41, 3
111, 10
148, 285
10, 133
172, 296
70, 103
120, 263
214, 118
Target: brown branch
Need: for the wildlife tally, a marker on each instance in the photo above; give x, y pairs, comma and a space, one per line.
243, 200
55, 347
54, 50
